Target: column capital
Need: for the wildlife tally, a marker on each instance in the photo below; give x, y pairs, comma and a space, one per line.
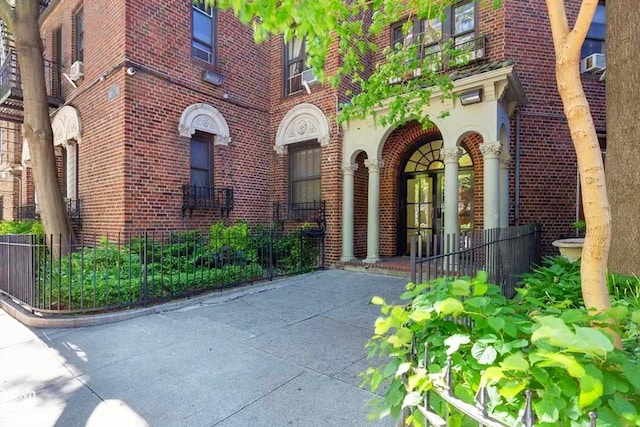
349, 169
450, 155
374, 165
490, 150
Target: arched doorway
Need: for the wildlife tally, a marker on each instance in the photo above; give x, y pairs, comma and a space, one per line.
422, 195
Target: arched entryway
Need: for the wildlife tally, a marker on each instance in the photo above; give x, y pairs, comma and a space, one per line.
421, 187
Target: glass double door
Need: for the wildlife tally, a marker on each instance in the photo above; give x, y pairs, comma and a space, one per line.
424, 205
424, 209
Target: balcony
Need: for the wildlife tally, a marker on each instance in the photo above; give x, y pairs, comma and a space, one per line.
73, 207
300, 212
11, 101
195, 197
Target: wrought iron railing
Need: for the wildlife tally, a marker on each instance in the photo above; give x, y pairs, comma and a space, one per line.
443, 387
504, 253
10, 77
314, 212
196, 197
28, 212
121, 271
73, 207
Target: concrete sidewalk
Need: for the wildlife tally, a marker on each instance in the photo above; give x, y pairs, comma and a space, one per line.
286, 353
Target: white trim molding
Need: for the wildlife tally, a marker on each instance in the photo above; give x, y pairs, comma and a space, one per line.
204, 118
303, 122
66, 126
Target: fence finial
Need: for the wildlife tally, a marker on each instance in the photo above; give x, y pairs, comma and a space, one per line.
528, 418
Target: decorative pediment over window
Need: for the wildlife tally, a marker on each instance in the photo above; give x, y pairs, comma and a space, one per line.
204, 118
303, 122
66, 126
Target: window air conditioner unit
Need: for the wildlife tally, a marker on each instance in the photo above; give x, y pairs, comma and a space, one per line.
593, 63
76, 71
309, 77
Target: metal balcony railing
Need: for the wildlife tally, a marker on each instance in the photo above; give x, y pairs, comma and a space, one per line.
73, 207
301, 212
11, 101
196, 197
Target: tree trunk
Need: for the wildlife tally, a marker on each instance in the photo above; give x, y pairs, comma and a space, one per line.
37, 125
623, 133
585, 140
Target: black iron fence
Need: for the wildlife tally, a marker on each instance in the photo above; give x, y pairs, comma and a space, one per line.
126, 271
504, 253
443, 390
196, 197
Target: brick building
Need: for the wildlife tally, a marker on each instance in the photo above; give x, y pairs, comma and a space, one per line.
168, 116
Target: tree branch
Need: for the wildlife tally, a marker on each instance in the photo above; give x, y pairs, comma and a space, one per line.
559, 23
583, 22
6, 13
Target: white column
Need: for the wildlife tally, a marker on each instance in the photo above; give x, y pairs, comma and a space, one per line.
373, 218
347, 211
491, 154
505, 161
72, 173
450, 156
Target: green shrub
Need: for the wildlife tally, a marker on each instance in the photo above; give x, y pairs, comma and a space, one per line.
145, 269
569, 365
21, 227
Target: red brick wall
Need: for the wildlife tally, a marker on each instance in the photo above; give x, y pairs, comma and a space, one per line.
548, 163
361, 207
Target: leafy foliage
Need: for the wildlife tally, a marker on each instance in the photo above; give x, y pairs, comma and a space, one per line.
568, 363
21, 227
148, 269
353, 27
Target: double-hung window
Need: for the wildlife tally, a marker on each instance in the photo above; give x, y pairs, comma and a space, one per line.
79, 35
594, 42
458, 25
304, 175
201, 167
204, 28
294, 64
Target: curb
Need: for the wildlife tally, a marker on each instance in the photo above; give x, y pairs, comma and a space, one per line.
33, 320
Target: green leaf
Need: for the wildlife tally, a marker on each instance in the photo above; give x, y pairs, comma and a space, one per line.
515, 362
477, 302
630, 370
496, 323
619, 313
480, 288
482, 277
420, 315
623, 407
381, 326
592, 341
377, 300
635, 316
449, 306
590, 390
512, 388
454, 342
403, 369
543, 358
546, 410
511, 329
460, 287
376, 379
412, 399
491, 375
484, 353
401, 338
